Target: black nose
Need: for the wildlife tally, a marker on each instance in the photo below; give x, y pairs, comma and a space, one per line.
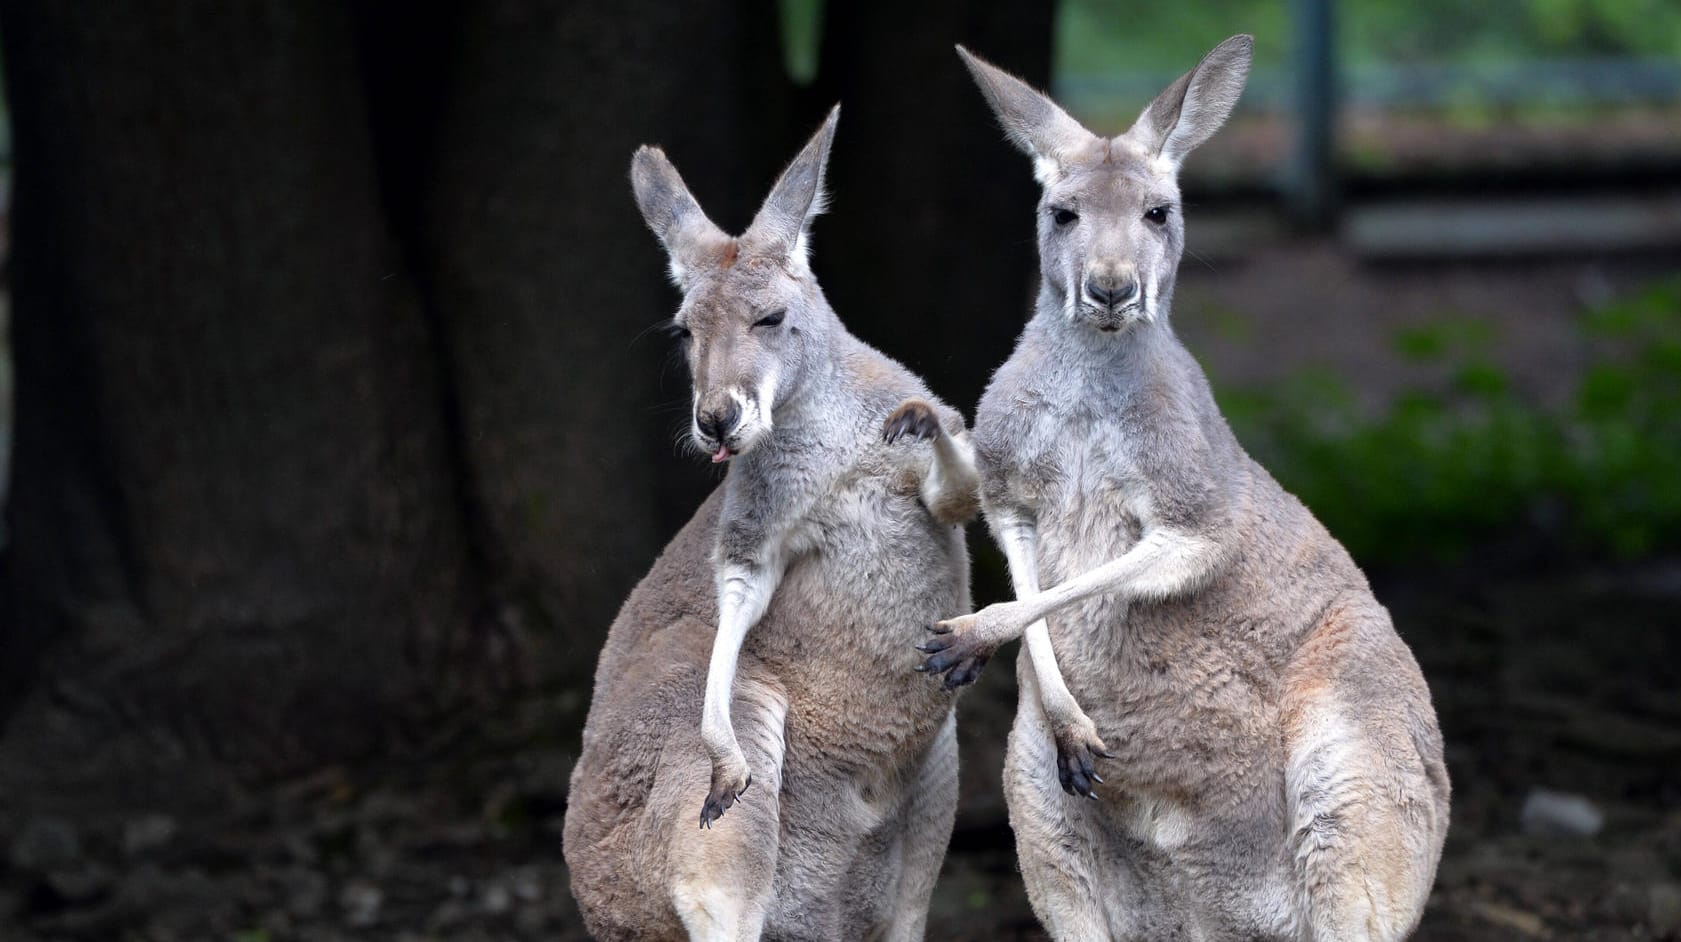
1110, 292
719, 423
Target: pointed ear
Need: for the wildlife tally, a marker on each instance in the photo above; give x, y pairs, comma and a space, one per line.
670, 210
797, 196
1195, 106
1034, 122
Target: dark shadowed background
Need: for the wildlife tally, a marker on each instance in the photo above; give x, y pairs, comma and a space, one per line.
335, 430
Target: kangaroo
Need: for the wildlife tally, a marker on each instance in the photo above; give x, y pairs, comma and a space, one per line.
761, 671
1277, 768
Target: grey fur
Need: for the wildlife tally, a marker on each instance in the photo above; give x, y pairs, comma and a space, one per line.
771, 642
1277, 767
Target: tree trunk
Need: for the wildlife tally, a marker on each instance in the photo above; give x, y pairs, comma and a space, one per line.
548, 282
930, 252
232, 516
323, 323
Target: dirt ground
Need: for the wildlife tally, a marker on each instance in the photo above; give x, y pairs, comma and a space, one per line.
1546, 675
1551, 679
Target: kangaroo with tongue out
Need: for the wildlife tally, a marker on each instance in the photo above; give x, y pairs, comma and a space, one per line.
770, 645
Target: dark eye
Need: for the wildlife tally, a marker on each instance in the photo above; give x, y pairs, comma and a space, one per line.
1157, 215
771, 320
677, 330
1063, 216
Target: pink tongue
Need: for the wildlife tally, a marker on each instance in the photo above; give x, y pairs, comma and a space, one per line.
723, 454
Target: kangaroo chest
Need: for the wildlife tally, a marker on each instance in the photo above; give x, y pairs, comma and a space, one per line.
869, 567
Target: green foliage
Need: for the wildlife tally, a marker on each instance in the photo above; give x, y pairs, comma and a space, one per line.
1100, 36
1436, 474
1095, 37
802, 34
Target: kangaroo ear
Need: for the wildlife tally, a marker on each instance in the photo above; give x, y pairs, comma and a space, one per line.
1195, 106
1034, 122
670, 210
797, 196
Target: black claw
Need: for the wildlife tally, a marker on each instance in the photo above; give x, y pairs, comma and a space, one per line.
938, 628
967, 673
1076, 771
954, 680
921, 668
1104, 755
916, 420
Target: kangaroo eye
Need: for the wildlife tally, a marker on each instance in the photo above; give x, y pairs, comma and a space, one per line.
1063, 216
1157, 214
677, 330
771, 320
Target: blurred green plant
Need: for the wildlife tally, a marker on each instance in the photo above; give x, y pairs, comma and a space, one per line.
802, 35
1436, 474
1098, 36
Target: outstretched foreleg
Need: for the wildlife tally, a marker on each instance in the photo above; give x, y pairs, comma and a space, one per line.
960, 649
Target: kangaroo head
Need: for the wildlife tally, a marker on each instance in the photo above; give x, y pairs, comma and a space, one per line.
752, 318
1110, 230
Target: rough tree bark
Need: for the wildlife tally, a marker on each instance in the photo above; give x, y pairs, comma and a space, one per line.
232, 529
330, 402
323, 320
548, 282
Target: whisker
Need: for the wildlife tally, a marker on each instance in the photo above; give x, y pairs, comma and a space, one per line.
664, 322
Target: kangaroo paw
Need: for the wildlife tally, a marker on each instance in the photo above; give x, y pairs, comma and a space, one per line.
1077, 750
728, 785
956, 651
914, 419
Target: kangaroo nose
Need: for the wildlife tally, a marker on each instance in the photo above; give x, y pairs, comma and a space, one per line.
720, 422
1110, 291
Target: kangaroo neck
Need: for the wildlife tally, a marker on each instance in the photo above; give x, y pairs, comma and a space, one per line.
816, 412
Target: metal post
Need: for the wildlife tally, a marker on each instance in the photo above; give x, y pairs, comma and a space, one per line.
1310, 181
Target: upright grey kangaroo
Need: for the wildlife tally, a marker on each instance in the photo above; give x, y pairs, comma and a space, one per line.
770, 644
1277, 768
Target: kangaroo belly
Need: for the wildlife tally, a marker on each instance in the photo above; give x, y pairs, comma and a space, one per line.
840, 633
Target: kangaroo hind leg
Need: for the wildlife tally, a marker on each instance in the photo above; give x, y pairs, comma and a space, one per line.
1364, 833
722, 876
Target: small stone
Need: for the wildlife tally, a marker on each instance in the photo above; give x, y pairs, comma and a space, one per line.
361, 901
1560, 814
44, 844
1664, 915
1508, 917
528, 885
449, 915
495, 898
79, 885
306, 892
148, 832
